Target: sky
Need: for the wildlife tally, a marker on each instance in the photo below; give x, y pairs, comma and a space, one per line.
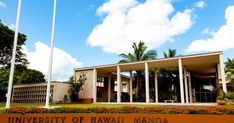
94, 32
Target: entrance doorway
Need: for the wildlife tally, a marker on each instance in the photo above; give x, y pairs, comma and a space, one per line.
205, 88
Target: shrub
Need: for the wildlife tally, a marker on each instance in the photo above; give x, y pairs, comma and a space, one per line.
76, 87
219, 110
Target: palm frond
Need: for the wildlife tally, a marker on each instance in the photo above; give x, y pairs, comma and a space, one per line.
123, 55
123, 61
165, 55
150, 54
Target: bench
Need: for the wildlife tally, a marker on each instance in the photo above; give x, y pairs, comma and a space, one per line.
169, 101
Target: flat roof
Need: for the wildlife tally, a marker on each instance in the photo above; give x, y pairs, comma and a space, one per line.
194, 61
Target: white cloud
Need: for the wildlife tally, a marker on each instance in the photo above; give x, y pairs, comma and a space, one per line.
12, 26
209, 32
200, 4
206, 31
63, 62
223, 39
126, 21
2, 5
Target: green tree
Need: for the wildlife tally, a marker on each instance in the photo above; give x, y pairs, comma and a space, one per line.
6, 41
229, 69
169, 77
22, 75
76, 87
229, 66
31, 76
170, 53
140, 53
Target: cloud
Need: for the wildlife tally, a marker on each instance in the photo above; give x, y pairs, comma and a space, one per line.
2, 5
63, 62
126, 21
12, 26
223, 39
200, 4
209, 32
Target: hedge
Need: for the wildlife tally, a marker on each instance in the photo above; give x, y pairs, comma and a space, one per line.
217, 110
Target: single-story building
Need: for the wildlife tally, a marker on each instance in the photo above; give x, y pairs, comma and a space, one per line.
36, 92
198, 80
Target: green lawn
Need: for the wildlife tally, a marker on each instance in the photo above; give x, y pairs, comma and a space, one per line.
2, 106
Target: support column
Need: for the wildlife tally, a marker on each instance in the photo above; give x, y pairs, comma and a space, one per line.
94, 85
181, 81
118, 85
147, 98
222, 73
156, 85
109, 87
190, 87
130, 84
186, 85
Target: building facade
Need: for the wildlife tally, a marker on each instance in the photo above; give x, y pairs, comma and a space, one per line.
199, 78
36, 93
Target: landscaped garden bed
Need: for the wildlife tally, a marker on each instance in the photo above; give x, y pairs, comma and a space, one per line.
217, 110
94, 113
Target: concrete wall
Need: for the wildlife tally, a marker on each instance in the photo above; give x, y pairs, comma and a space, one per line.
87, 91
36, 92
60, 90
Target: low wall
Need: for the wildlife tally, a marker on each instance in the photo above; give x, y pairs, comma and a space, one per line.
114, 118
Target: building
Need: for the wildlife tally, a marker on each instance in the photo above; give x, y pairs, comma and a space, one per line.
198, 80
36, 93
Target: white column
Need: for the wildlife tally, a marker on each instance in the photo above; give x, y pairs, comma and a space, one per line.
9, 89
186, 85
222, 73
147, 98
156, 85
118, 85
130, 84
109, 88
181, 81
94, 85
190, 87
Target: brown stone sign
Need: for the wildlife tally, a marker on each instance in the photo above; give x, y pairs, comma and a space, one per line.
115, 118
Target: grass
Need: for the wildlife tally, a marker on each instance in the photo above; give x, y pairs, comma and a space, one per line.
27, 105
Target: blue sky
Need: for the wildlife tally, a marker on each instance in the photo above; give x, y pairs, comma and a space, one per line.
94, 32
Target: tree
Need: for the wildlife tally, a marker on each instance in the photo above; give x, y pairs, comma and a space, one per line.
229, 69
170, 53
6, 41
22, 75
229, 66
140, 53
76, 87
31, 76
169, 77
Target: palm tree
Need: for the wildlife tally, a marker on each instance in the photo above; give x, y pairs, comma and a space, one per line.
170, 53
170, 74
140, 53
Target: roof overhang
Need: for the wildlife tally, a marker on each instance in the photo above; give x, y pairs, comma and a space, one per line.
200, 63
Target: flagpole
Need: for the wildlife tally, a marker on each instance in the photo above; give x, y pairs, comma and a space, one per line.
8, 95
48, 94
